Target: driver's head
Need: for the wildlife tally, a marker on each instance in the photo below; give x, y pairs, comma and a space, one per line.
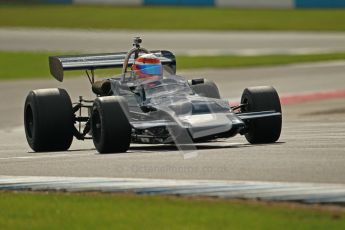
147, 66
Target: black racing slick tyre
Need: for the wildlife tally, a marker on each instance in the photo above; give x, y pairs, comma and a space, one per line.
111, 131
48, 120
262, 130
206, 89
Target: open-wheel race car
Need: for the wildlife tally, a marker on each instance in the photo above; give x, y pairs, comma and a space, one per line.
148, 103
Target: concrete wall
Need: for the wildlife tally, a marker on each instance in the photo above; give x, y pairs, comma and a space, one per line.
180, 2
256, 3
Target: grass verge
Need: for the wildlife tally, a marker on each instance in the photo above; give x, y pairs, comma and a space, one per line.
186, 62
107, 211
27, 65
168, 18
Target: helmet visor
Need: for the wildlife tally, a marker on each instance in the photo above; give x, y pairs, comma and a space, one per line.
149, 69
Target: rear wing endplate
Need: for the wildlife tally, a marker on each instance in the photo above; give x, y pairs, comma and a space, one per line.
59, 64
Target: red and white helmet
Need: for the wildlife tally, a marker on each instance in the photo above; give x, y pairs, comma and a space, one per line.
147, 66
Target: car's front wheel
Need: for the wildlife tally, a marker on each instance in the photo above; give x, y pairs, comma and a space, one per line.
48, 120
257, 99
111, 131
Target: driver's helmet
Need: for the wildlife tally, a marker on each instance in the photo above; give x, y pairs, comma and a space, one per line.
147, 66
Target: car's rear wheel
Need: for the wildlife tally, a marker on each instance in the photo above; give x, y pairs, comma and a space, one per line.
48, 120
206, 89
111, 130
262, 98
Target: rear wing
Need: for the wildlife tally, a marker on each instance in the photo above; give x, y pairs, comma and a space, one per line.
59, 64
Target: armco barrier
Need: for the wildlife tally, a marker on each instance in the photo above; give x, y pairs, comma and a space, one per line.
223, 3
217, 3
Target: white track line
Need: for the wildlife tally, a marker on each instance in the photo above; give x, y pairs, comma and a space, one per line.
46, 156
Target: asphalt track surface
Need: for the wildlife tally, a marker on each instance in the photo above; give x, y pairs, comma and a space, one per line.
311, 148
188, 43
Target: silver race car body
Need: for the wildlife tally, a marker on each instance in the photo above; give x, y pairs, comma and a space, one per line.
162, 109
